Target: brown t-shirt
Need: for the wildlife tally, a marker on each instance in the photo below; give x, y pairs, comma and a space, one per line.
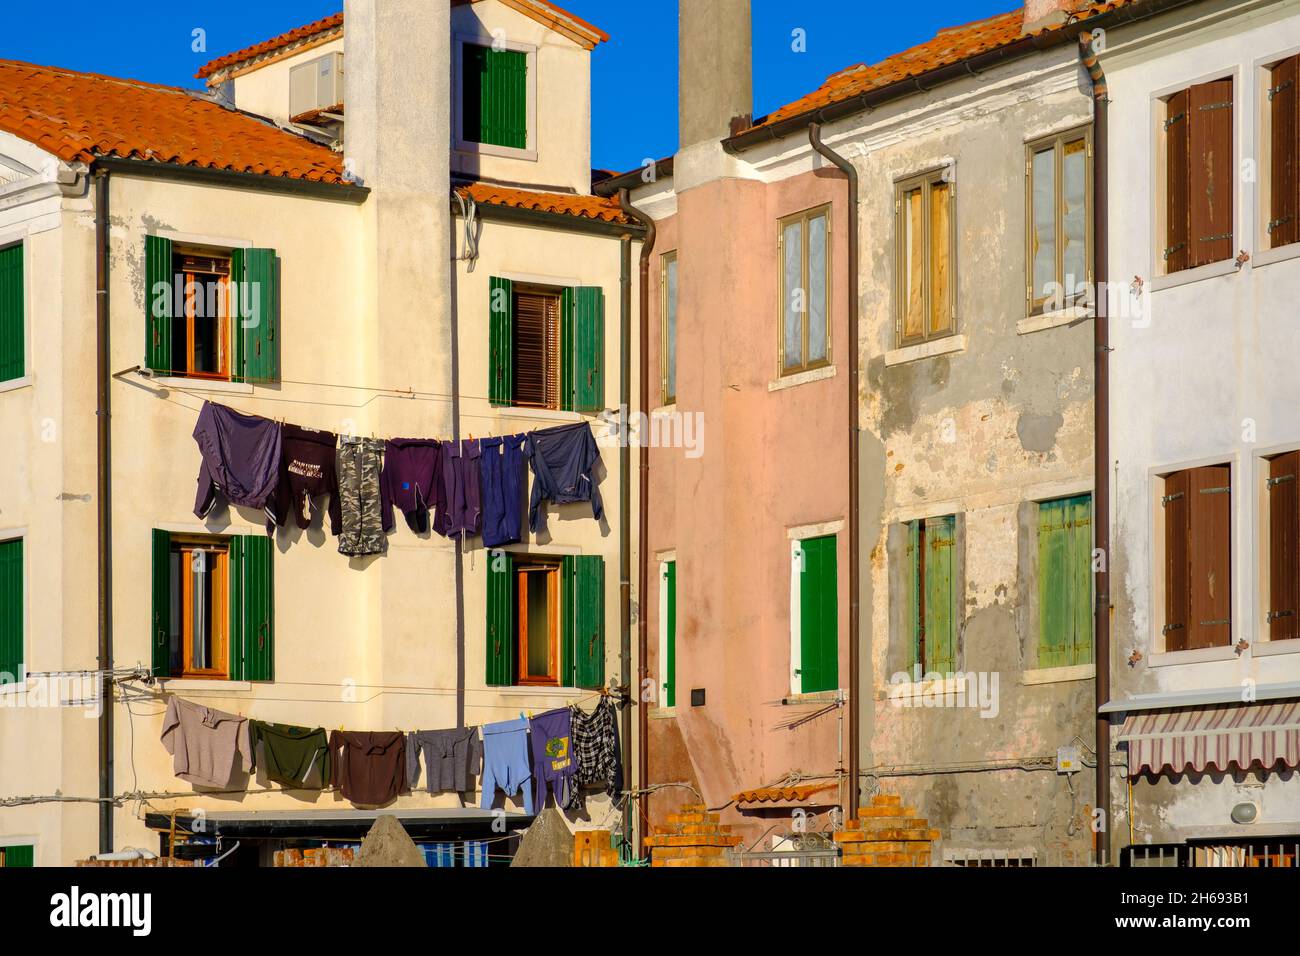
369, 767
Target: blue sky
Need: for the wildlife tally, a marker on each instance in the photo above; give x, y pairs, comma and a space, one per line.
634, 83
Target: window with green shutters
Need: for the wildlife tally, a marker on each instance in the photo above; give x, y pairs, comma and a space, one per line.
13, 322
546, 346
213, 607
212, 313
932, 562
1065, 582
494, 96
12, 611
17, 856
668, 633
580, 617
814, 616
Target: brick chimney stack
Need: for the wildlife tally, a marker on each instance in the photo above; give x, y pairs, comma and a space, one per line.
1046, 13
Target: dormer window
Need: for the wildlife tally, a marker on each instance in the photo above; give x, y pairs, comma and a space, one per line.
495, 100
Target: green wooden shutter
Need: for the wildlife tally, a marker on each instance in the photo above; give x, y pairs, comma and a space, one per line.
158, 298
670, 623
1080, 520
494, 96
916, 604
11, 611
583, 586
501, 340
252, 609
940, 595
13, 352
259, 330
818, 616
1055, 578
160, 631
500, 629
586, 348
19, 856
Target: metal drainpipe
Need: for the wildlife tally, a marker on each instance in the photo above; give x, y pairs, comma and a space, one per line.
1101, 430
855, 727
643, 519
104, 496
625, 489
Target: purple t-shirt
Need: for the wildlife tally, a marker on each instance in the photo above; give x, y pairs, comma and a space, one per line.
554, 765
240, 458
412, 473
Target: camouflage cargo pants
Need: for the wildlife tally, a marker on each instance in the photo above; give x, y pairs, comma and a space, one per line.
360, 462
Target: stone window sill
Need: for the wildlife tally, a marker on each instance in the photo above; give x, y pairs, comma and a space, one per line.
801, 378
1058, 675
1053, 320
924, 350
13, 384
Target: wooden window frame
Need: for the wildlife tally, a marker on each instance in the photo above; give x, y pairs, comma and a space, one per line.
225, 337
186, 545
924, 182
1036, 304
553, 344
667, 396
522, 572
803, 218
1267, 226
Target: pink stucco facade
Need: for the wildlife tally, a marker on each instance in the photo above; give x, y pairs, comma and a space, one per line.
774, 459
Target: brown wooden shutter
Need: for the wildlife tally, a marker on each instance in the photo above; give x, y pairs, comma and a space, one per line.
1284, 180
1284, 547
1209, 501
1174, 504
1212, 174
1177, 254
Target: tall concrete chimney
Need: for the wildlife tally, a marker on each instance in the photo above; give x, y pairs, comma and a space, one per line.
716, 88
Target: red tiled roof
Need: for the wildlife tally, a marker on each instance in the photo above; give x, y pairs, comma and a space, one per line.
798, 792
946, 48
336, 20
271, 45
82, 116
565, 204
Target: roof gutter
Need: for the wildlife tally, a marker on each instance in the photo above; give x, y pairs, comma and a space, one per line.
850, 793
261, 182
925, 82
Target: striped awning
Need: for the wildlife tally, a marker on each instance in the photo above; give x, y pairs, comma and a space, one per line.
1218, 737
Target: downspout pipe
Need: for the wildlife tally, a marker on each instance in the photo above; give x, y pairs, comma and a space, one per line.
104, 512
850, 794
1101, 428
625, 489
643, 497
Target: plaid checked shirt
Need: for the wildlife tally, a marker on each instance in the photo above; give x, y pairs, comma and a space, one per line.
595, 744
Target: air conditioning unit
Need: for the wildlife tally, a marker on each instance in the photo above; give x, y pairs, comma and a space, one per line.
316, 84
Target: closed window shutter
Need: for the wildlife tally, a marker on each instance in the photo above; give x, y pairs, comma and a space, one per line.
819, 616
1213, 174
501, 324
1054, 583
1176, 511
19, 856
584, 592
160, 631
940, 595
1209, 557
13, 353
494, 96
158, 299
500, 625
1080, 528
11, 611
259, 331
512, 89
670, 641
916, 569
1284, 186
1284, 547
252, 609
1177, 252
587, 344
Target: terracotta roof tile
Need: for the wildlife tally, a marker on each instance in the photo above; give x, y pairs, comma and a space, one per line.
946, 48
271, 45
567, 204
799, 792
83, 116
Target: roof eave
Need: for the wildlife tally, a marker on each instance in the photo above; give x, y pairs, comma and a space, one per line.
233, 179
